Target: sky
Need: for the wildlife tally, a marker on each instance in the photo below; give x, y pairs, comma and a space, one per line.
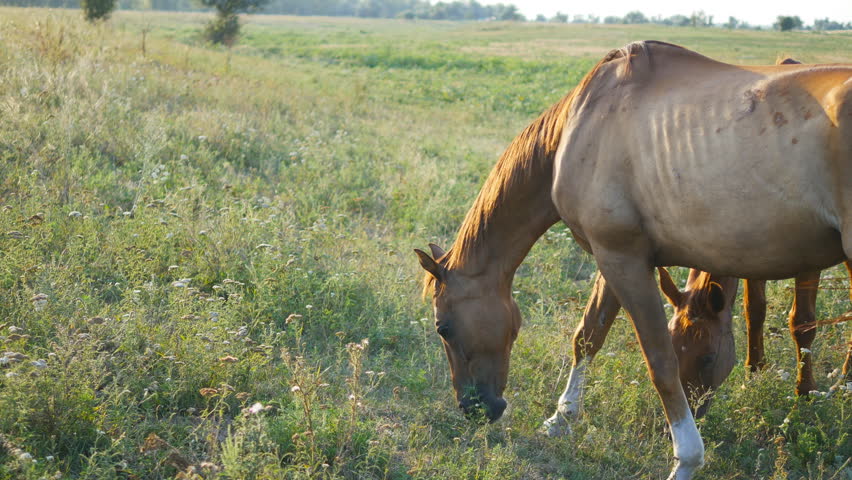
753, 12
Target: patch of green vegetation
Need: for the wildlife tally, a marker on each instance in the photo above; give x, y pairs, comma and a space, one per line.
215, 232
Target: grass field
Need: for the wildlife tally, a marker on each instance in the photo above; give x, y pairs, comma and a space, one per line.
206, 265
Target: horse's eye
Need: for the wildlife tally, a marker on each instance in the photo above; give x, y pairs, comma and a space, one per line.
707, 360
444, 330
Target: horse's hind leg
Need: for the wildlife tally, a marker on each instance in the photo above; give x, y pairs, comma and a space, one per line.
601, 310
846, 374
754, 304
803, 329
847, 365
631, 278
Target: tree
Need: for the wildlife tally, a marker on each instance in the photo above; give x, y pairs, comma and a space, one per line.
732, 23
509, 13
678, 21
786, 23
826, 24
559, 18
94, 10
226, 26
700, 19
635, 17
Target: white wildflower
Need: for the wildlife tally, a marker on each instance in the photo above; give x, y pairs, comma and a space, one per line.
75, 213
39, 301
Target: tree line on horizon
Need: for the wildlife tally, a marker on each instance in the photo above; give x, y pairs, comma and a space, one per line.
697, 19
455, 10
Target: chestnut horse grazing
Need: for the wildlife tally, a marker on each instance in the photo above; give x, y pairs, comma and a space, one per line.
696, 328
648, 161
802, 322
700, 330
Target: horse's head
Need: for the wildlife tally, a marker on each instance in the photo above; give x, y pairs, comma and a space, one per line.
701, 331
478, 321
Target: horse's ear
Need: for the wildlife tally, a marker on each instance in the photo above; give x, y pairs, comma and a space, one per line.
669, 288
429, 264
716, 297
437, 252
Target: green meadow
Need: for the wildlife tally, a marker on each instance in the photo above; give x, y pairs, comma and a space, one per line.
206, 266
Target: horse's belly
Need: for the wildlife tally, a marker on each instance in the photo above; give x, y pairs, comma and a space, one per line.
753, 248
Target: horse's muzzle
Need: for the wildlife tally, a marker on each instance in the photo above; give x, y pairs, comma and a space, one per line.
492, 407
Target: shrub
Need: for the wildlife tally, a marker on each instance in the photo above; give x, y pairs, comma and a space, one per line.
223, 29
95, 10
226, 26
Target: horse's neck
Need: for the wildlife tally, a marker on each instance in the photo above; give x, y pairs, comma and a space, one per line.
514, 207
509, 230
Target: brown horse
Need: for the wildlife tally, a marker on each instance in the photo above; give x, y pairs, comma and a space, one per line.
802, 321
700, 330
647, 161
695, 328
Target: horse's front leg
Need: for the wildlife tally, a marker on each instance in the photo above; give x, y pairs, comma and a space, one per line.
601, 310
630, 276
